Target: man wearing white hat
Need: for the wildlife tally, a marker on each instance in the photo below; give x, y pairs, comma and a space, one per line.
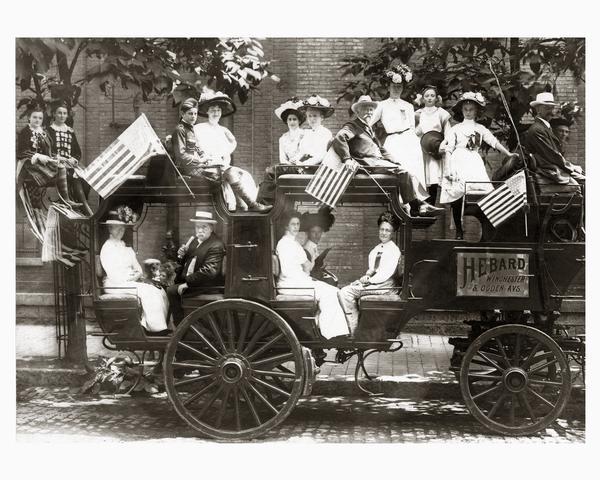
357, 141
539, 140
201, 259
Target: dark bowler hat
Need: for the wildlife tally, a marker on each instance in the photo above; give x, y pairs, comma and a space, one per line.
430, 143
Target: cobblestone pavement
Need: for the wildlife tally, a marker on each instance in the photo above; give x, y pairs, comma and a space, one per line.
56, 414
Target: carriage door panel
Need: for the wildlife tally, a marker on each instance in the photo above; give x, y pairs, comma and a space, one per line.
248, 259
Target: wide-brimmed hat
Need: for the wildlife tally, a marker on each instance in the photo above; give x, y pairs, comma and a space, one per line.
475, 97
323, 218
210, 97
430, 143
544, 98
120, 217
560, 122
363, 100
320, 103
203, 217
290, 106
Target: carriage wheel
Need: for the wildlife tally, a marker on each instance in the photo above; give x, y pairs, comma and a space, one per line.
234, 369
515, 379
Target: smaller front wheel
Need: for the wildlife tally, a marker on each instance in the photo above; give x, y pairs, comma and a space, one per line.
515, 379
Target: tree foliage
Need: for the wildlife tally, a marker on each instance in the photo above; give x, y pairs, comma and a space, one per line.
178, 67
524, 68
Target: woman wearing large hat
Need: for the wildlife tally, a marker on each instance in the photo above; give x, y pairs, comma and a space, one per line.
465, 167
432, 124
216, 144
315, 225
398, 118
123, 271
316, 138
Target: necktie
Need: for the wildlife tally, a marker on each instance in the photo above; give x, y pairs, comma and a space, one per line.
191, 266
378, 260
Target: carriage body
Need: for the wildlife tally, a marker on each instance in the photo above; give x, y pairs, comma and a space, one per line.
258, 341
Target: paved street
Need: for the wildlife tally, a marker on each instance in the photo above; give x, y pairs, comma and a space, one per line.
56, 414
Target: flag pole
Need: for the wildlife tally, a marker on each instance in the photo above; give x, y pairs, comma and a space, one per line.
179, 173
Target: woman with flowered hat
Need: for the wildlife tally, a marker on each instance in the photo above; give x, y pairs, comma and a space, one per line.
124, 273
432, 125
316, 139
398, 118
465, 167
216, 144
289, 145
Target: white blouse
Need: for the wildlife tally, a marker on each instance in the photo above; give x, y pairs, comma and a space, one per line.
315, 143
120, 263
461, 133
395, 114
390, 256
216, 141
432, 119
289, 146
291, 258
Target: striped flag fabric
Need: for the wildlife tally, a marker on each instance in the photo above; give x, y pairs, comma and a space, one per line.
123, 157
53, 247
506, 200
330, 180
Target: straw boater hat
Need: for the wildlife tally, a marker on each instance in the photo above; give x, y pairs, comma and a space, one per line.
210, 97
544, 98
319, 103
293, 105
203, 217
323, 218
430, 143
363, 100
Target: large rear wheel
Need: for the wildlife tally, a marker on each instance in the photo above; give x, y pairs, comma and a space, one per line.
234, 369
515, 379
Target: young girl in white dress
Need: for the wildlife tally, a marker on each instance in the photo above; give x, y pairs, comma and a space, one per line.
316, 139
465, 167
432, 118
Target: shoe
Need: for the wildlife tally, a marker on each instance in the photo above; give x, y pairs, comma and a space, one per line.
427, 210
242, 206
459, 236
259, 207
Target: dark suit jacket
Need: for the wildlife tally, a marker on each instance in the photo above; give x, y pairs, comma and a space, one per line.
356, 140
209, 262
550, 166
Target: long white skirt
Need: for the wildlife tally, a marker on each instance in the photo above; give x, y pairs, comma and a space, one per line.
405, 148
155, 305
331, 318
470, 168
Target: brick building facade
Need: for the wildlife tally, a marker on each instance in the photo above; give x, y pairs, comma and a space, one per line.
305, 65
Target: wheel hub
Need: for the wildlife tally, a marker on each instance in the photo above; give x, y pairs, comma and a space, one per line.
232, 370
515, 379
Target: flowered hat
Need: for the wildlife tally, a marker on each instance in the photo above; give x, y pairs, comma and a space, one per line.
399, 74
293, 105
390, 218
123, 215
320, 103
474, 97
323, 218
210, 97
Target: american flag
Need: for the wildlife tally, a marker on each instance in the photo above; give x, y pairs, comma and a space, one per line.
505, 200
123, 157
330, 180
54, 248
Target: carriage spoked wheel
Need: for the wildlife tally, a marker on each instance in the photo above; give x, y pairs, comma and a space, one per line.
234, 369
515, 379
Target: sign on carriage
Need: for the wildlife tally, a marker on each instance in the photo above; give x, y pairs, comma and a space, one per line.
491, 274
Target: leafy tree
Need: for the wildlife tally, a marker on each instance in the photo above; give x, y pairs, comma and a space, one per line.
524, 68
178, 67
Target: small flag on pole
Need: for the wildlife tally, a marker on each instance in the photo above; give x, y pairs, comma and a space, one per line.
123, 157
506, 200
330, 180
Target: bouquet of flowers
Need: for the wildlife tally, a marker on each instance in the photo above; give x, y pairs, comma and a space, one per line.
399, 74
126, 214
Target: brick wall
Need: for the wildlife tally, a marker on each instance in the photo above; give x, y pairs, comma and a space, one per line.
305, 66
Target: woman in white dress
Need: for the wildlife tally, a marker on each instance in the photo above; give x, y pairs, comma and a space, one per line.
316, 139
398, 118
217, 144
465, 167
432, 118
123, 272
294, 275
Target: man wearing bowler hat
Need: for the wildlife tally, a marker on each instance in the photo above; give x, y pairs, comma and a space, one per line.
550, 167
201, 259
357, 141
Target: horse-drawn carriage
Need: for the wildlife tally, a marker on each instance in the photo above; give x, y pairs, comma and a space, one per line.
236, 366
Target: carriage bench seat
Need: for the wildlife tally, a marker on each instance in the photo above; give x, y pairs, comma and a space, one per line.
200, 299
391, 297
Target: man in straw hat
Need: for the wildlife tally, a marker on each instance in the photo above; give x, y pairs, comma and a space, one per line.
550, 166
357, 141
201, 259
